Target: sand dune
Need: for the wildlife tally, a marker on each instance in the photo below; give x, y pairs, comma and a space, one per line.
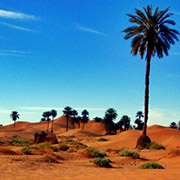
168, 137
76, 165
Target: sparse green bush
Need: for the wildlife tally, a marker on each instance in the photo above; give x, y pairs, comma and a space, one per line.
20, 142
129, 153
152, 145
102, 139
78, 144
63, 147
44, 145
26, 150
151, 165
95, 153
102, 162
155, 145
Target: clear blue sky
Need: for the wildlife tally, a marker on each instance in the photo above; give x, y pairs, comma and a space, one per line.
72, 52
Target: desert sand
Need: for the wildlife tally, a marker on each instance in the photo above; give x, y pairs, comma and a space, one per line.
76, 165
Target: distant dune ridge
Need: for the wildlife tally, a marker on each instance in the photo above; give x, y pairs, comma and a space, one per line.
168, 137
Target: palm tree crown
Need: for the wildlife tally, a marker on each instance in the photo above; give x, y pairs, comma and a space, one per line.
151, 34
139, 114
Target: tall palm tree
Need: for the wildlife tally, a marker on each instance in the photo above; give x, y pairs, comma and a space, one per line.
110, 115
151, 35
74, 117
67, 112
53, 114
46, 115
85, 117
14, 115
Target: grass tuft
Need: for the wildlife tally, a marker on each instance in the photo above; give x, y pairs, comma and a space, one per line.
102, 139
26, 150
151, 165
133, 154
102, 162
152, 145
95, 153
20, 142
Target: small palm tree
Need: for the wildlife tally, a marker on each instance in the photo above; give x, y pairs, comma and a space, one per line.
138, 121
46, 115
67, 112
85, 117
110, 115
14, 115
173, 125
53, 114
78, 121
139, 114
74, 117
125, 122
151, 35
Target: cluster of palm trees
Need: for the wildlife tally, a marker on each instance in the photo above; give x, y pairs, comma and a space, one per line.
46, 117
72, 115
109, 122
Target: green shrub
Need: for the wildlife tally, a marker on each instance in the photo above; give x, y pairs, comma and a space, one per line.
63, 147
151, 165
154, 145
95, 153
102, 162
43, 145
102, 139
20, 142
26, 150
129, 153
78, 144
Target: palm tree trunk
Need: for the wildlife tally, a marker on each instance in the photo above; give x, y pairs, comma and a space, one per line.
146, 98
67, 123
52, 125
48, 127
14, 123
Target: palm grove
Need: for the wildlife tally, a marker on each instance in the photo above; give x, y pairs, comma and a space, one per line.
151, 35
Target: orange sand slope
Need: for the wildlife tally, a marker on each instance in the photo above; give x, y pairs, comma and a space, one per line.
168, 137
77, 166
